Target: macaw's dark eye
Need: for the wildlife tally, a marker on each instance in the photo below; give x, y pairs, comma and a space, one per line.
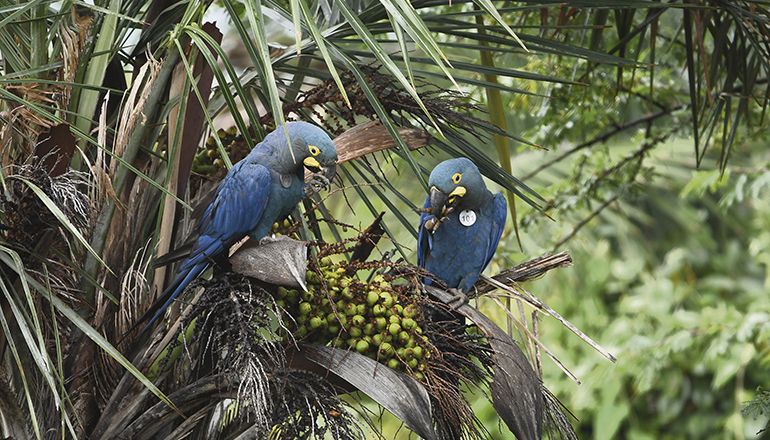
315, 151
457, 177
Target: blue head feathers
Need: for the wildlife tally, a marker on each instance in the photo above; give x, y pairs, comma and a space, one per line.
311, 147
456, 182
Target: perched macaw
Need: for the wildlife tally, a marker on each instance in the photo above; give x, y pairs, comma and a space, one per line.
257, 191
461, 226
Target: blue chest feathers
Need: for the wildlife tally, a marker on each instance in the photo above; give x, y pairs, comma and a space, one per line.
459, 248
286, 191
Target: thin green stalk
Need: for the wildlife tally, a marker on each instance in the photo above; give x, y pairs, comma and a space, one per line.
497, 117
87, 100
39, 33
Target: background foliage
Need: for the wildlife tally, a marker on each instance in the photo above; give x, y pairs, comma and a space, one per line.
636, 140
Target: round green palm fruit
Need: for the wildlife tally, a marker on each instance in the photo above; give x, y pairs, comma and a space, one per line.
358, 320
393, 363
394, 329
362, 346
305, 308
380, 322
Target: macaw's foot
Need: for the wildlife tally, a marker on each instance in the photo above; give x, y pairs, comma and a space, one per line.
267, 239
316, 184
459, 299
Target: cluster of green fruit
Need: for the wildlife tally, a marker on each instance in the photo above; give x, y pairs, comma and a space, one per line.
208, 160
282, 228
371, 317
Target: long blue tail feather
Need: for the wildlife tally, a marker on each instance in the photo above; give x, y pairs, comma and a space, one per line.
192, 268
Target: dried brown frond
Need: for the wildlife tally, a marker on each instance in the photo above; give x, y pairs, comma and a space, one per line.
133, 289
132, 107
22, 125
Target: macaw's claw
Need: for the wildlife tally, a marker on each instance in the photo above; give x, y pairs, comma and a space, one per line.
459, 299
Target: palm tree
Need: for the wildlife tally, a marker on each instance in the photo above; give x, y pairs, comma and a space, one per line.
112, 135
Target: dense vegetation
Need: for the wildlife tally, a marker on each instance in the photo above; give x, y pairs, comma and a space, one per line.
632, 134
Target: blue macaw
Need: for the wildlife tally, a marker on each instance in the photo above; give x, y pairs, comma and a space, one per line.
257, 191
460, 227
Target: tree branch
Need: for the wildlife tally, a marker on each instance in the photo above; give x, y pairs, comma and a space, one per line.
605, 136
526, 271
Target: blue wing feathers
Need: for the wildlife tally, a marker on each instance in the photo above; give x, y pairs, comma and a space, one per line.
423, 237
499, 214
236, 209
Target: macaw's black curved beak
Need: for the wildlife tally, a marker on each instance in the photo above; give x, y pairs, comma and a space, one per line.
437, 201
329, 171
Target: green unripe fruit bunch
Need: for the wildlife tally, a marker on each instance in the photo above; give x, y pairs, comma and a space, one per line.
375, 318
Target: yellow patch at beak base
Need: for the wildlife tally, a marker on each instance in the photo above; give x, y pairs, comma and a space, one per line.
458, 192
311, 162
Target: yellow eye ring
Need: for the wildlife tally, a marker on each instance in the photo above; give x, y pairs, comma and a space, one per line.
457, 178
314, 151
